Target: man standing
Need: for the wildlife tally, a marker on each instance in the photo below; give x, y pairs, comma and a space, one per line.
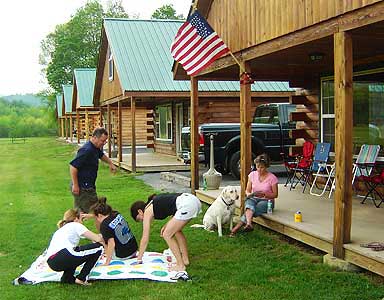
83, 170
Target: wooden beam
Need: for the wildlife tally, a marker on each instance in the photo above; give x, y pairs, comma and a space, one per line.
194, 132
133, 133
86, 125
109, 129
101, 116
78, 130
119, 133
66, 128
245, 135
62, 127
351, 20
343, 141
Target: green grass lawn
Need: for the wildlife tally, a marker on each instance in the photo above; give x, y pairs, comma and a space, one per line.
34, 193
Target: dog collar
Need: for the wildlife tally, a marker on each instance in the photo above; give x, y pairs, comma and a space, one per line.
227, 204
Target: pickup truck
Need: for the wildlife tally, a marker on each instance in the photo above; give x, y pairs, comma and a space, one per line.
270, 134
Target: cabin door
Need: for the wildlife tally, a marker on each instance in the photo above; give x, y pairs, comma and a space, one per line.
179, 126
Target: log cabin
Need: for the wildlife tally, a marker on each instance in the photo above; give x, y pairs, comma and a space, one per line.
59, 114
330, 50
69, 116
87, 116
134, 82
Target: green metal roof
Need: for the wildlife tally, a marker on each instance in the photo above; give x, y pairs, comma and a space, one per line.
59, 102
142, 57
85, 84
68, 92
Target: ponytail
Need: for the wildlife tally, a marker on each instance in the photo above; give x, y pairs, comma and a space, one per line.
101, 207
69, 216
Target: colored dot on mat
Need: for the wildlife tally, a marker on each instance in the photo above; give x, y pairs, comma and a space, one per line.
116, 263
93, 273
159, 273
158, 260
114, 272
136, 272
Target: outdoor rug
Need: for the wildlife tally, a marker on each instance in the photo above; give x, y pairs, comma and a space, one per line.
154, 267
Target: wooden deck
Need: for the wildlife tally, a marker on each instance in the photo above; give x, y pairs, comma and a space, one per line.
152, 162
316, 229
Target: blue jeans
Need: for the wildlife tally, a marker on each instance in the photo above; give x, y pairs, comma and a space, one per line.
257, 205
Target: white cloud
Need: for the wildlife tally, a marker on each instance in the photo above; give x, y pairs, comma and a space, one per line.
25, 23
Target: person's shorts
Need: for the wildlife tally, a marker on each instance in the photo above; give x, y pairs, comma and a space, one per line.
188, 206
85, 199
257, 205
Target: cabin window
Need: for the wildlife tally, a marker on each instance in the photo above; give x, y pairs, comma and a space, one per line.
368, 110
163, 123
110, 65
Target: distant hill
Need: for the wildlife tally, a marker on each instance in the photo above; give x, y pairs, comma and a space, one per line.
30, 99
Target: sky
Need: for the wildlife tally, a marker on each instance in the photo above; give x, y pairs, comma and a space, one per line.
25, 23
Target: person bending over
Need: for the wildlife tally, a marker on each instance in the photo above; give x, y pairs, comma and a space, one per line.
182, 208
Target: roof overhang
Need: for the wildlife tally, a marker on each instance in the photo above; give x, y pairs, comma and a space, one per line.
288, 57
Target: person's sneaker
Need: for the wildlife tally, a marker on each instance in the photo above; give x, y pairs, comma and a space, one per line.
182, 275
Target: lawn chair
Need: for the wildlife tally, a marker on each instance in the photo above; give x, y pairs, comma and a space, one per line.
365, 161
301, 167
304, 160
374, 183
319, 167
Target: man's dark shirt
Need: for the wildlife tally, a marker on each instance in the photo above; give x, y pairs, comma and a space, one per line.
87, 163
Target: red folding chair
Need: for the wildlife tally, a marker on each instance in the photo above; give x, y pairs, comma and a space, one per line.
299, 162
374, 183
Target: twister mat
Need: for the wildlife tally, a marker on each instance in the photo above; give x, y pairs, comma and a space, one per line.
154, 267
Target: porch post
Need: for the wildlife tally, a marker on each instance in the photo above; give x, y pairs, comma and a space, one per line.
119, 132
343, 64
245, 136
101, 117
109, 129
71, 127
194, 131
133, 133
86, 125
62, 127
78, 131
66, 128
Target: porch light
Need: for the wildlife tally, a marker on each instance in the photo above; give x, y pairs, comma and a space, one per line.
316, 56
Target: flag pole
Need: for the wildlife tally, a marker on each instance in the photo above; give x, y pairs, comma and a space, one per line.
242, 70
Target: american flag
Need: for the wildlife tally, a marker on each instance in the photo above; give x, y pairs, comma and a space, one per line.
197, 45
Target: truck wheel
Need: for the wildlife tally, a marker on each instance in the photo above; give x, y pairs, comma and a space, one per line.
234, 165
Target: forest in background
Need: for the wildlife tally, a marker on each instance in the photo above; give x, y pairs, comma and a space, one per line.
20, 119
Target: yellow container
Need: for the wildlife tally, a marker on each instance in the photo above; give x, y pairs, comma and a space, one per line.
298, 217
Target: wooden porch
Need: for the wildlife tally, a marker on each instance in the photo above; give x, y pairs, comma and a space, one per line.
151, 162
316, 229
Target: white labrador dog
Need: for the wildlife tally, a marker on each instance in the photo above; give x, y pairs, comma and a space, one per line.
221, 210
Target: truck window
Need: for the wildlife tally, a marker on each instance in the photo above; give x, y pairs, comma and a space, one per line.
266, 115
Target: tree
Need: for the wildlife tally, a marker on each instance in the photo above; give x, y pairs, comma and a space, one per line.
75, 44
166, 12
115, 9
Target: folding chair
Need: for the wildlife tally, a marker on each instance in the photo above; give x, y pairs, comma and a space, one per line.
374, 183
300, 169
319, 167
298, 161
324, 171
365, 161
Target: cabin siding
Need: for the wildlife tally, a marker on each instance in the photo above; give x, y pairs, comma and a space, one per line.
109, 89
263, 20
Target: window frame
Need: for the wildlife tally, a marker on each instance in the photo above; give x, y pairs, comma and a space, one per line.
110, 65
328, 116
168, 122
